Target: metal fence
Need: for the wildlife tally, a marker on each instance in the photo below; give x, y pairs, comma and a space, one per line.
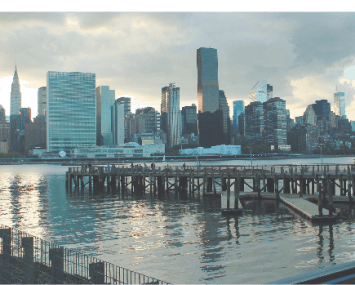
31, 260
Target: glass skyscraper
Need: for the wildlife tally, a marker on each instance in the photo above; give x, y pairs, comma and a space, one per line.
71, 110
261, 92
339, 103
170, 113
105, 98
207, 81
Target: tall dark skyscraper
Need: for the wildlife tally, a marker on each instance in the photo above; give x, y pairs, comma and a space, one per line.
207, 84
210, 116
223, 106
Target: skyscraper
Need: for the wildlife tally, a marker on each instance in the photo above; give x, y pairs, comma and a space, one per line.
321, 109
339, 103
261, 92
275, 121
117, 123
223, 106
71, 110
4, 127
164, 109
15, 98
254, 122
42, 101
151, 119
189, 119
105, 98
126, 101
309, 116
207, 84
238, 108
171, 115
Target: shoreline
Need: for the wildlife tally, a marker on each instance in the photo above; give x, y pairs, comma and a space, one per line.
80, 161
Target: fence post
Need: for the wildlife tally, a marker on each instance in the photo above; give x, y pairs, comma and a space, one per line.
97, 272
27, 244
56, 255
5, 269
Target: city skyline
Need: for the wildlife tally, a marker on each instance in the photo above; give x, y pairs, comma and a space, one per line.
303, 55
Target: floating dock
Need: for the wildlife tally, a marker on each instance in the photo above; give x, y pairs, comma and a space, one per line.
307, 209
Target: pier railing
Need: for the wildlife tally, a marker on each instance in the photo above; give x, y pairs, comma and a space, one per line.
28, 259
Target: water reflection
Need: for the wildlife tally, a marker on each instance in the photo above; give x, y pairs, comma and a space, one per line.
174, 238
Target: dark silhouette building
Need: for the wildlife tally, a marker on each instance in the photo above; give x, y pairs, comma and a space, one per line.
189, 119
210, 128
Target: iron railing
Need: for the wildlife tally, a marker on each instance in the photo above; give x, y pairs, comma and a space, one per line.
28, 259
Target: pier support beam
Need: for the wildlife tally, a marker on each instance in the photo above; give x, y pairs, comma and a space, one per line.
270, 185
209, 184
286, 185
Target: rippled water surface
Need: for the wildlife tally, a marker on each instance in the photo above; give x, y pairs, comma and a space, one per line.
173, 239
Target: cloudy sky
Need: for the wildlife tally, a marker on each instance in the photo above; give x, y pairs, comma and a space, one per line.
303, 55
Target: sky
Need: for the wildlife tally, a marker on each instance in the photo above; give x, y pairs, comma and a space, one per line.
305, 56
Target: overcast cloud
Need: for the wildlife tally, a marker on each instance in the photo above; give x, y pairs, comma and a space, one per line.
303, 55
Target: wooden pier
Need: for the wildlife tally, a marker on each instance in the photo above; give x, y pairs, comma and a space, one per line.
323, 182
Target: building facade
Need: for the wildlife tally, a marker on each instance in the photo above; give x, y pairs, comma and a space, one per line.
254, 122
210, 128
207, 76
117, 123
189, 119
223, 106
105, 98
150, 120
321, 109
275, 122
4, 128
170, 118
303, 138
126, 102
71, 110
309, 116
174, 116
35, 133
42, 101
126, 150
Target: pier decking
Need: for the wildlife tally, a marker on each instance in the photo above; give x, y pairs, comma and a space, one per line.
322, 182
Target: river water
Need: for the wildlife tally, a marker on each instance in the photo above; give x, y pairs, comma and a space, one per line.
172, 239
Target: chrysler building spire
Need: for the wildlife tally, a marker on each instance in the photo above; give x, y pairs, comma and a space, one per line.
15, 97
